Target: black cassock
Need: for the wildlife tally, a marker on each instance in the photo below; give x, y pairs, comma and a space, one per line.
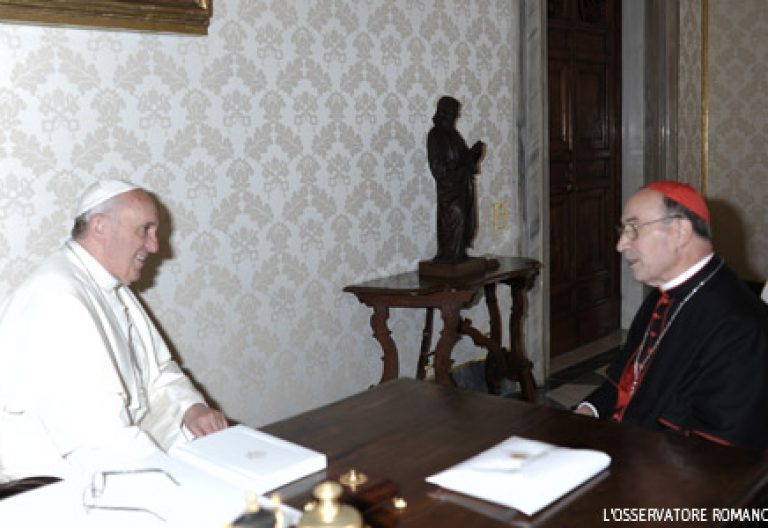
709, 374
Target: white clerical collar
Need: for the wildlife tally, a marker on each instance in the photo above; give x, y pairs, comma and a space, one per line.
687, 274
99, 273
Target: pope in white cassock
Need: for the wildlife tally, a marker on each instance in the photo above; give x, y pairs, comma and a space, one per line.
85, 378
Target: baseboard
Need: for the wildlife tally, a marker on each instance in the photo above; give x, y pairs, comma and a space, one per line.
583, 353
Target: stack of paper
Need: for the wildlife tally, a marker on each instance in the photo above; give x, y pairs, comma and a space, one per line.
250, 459
524, 474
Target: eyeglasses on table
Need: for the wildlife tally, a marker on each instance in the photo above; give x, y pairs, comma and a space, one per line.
98, 484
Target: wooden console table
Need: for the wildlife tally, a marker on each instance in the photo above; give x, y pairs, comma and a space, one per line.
409, 290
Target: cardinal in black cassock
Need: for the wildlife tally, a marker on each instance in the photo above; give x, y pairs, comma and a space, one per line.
696, 356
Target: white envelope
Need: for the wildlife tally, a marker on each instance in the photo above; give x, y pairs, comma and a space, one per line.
523, 474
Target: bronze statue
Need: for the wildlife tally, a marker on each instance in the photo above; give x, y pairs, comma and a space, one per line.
453, 167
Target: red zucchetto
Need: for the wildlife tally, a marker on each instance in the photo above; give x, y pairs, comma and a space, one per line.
683, 194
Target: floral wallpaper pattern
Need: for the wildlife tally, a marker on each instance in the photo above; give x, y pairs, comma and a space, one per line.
689, 94
737, 63
738, 131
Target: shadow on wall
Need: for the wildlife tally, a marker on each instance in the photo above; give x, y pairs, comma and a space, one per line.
729, 235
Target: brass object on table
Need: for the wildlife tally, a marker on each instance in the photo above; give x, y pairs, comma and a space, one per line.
399, 503
255, 517
353, 479
328, 510
376, 498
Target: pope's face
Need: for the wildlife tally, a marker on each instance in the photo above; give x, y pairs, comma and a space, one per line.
131, 235
653, 255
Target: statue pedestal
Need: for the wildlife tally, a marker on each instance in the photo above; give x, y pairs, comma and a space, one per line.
444, 270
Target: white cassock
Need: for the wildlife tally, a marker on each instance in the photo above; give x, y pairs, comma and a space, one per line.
78, 389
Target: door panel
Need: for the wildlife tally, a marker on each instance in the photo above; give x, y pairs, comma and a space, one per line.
590, 252
590, 93
583, 65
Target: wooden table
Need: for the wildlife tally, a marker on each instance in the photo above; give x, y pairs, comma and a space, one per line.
409, 290
407, 430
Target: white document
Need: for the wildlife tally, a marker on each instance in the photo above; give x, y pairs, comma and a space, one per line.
250, 459
523, 474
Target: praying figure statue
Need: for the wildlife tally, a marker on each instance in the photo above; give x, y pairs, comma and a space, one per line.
453, 167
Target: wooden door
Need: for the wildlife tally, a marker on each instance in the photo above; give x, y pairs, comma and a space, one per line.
584, 166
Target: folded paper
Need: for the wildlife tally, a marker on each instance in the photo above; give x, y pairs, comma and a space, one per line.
523, 474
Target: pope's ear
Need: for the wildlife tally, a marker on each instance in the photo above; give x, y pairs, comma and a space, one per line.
98, 224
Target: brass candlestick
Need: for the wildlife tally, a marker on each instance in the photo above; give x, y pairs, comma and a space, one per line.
328, 511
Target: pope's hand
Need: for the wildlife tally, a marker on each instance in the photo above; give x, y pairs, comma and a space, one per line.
202, 420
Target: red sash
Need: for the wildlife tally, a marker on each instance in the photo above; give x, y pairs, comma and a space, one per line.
636, 367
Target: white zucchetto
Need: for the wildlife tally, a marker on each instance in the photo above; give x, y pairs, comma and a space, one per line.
100, 192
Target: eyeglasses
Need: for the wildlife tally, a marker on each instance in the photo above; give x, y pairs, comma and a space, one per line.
99, 483
632, 231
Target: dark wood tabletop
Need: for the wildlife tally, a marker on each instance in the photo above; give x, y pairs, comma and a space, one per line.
411, 282
406, 430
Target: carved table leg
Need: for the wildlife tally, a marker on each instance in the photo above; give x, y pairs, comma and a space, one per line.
493, 312
495, 364
523, 364
426, 342
495, 360
449, 335
383, 335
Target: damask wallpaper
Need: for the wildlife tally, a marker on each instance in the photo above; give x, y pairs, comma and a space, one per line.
738, 132
689, 94
287, 148
736, 91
